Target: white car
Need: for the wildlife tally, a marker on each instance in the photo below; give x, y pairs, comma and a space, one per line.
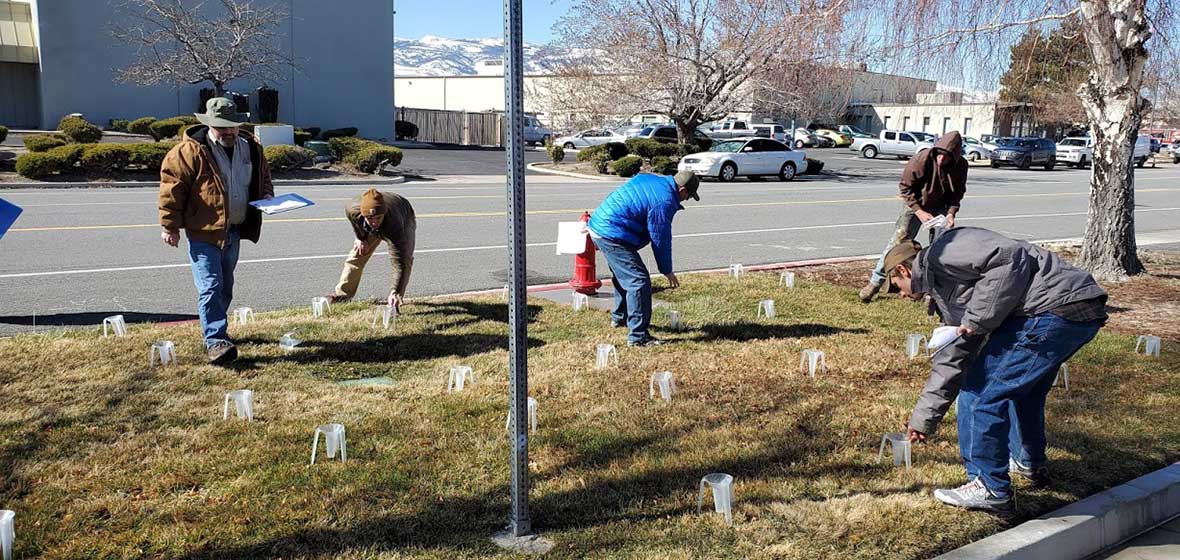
1075, 152
587, 138
746, 157
975, 150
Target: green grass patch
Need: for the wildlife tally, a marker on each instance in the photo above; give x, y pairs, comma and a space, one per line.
106, 458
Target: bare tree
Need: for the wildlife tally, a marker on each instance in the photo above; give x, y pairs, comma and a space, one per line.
180, 45
966, 35
694, 61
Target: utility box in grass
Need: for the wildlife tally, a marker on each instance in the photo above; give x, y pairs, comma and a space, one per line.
274, 135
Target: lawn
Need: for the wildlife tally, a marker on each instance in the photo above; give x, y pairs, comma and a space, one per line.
104, 457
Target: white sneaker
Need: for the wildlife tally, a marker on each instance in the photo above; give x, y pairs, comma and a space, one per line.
974, 495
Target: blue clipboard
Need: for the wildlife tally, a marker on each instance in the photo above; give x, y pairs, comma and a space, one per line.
8, 215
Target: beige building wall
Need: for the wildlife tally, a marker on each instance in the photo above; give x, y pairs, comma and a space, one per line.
970, 119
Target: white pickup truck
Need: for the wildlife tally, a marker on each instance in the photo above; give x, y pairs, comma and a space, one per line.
891, 143
731, 129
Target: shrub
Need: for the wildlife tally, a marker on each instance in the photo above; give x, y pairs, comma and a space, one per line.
78, 130
67, 155
369, 159
644, 147
663, 165
592, 153
686, 149
345, 146
3, 132
601, 162
302, 136
628, 166
142, 125
118, 125
314, 131
405, 129
814, 166
286, 158
556, 153
37, 165
44, 142
615, 150
148, 156
169, 128
338, 133
100, 158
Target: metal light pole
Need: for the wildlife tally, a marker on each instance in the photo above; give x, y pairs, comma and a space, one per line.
518, 379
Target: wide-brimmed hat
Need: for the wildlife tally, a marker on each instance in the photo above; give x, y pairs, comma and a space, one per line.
690, 182
221, 112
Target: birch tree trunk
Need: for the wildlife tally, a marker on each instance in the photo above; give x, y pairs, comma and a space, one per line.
1115, 31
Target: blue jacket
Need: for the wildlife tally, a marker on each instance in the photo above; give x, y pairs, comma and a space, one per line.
638, 213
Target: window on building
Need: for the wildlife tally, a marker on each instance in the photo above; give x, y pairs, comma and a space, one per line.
967, 126
905, 122
925, 124
887, 119
946, 124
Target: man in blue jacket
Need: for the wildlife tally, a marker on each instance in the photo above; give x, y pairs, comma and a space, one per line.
638, 213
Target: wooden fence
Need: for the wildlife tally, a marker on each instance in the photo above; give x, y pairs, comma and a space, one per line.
455, 127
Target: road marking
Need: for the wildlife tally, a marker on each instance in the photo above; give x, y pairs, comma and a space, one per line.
575, 211
552, 244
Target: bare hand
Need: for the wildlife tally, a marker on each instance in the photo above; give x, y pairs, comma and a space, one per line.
358, 246
915, 436
171, 238
673, 281
950, 220
923, 215
267, 196
965, 331
395, 302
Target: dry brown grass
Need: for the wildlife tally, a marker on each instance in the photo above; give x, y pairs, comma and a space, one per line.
106, 458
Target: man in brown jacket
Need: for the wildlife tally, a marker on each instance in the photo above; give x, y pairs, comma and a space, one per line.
377, 216
206, 184
932, 184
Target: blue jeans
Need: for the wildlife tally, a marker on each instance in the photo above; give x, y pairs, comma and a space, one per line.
1001, 410
213, 273
632, 288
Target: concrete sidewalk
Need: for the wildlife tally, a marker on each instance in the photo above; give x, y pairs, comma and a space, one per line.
1163, 543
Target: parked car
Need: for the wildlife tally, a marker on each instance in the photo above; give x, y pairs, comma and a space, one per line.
853, 132
838, 139
1026, 152
667, 133
631, 130
775, 131
1075, 151
890, 143
1174, 151
730, 129
587, 138
535, 132
1142, 150
804, 137
746, 157
1156, 144
974, 150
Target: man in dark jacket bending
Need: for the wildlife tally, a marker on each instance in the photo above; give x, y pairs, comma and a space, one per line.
932, 184
1021, 312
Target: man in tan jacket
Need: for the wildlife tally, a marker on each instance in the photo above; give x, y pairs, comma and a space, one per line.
376, 216
207, 182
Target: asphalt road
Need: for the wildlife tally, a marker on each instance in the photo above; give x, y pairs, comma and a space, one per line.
77, 255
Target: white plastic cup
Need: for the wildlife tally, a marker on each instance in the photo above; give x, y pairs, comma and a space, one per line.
7, 532
913, 345
736, 270
722, 486
532, 408
243, 315
164, 351
319, 306
387, 315
1151, 345
459, 376
787, 279
900, 446
288, 342
580, 301
117, 324
766, 308
675, 322
1062, 375
243, 400
603, 356
334, 440
666, 383
813, 360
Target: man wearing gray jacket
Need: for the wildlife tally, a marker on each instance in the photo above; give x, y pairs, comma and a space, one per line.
1021, 312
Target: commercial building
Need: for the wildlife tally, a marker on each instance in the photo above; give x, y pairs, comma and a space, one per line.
59, 57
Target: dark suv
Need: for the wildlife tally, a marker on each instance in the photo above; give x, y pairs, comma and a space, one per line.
1025, 153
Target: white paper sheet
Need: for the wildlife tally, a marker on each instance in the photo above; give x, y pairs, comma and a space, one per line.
571, 238
941, 337
281, 203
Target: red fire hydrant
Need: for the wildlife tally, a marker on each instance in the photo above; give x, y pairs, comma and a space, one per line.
585, 279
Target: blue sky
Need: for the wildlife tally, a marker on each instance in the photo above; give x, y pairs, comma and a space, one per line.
471, 19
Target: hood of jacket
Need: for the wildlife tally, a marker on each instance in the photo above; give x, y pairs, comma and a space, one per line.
950, 142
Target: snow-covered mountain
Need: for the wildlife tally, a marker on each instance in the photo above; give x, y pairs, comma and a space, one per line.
439, 56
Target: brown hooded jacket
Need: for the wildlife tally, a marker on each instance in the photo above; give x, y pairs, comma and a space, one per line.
927, 186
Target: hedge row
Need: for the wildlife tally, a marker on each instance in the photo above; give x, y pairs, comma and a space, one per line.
78, 130
365, 155
3, 132
92, 158
286, 158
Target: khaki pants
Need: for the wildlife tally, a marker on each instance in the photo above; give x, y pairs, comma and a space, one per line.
354, 266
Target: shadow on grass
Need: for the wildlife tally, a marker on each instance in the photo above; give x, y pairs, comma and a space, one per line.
470, 312
745, 331
410, 347
92, 318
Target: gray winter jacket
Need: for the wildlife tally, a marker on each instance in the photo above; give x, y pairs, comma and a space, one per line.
979, 278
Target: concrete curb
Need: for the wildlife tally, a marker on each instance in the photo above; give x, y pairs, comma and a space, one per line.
141, 184
536, 166
1087, 527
